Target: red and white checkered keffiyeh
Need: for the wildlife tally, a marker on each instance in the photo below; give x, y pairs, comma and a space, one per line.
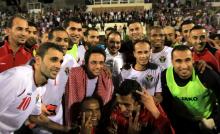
76, 89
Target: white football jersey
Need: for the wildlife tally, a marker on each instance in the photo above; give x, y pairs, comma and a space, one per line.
162, 58
148, 79
55, 88
19, 97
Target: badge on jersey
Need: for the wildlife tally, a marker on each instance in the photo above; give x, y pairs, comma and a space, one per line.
149, 78
162, 59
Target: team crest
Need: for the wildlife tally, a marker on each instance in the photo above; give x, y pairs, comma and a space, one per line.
149, 77
162, 59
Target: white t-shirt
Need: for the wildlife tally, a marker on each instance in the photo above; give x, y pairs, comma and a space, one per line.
148, 79
115, 63
19, 97
162, 58
56, 88
91, 85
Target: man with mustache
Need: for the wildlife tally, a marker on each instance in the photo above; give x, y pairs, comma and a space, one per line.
190, 99
198, 40
22, 86
91, 39
114, 59
12, 53
90, 79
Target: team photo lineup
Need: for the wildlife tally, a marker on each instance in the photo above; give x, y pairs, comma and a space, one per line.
110, 67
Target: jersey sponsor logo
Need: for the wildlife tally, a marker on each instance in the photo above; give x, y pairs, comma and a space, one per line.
24, 103
149, 77
188, 98
162, 59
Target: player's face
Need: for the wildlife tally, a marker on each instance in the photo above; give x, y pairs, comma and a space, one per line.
183, 63
75, 31
186, 29
18, 33
170, 34
96, 63
142, 53
197, 39
32, 31
61, 38
135, 31
114, 43
51, 63
157, 38
126, 104
92, 38
92, 108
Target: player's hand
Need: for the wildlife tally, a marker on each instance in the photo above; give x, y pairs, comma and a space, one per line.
45, 111
149, 102
201, 65
86, 127
134, 126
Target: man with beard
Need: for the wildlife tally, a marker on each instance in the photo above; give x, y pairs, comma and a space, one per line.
24, 84
169, 32
91, 39
198, 40
90, 79
135, 32
114, 59
185, 28
32, 43
143, 71
161, 55
12, 53
190, 99
135, 112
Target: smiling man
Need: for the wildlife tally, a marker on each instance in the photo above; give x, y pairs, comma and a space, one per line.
88, 80
190, 99
12, 53
198, 40
24, 84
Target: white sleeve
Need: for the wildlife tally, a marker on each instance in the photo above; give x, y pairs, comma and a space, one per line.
10, 86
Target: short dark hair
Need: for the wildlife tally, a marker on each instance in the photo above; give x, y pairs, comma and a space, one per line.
42, 50
180, 48
129, 86
86, 33
68, 20
91, 51
186, 22
113, 32
9, 23
32, 24
198, 27
97, 98
133, 21
109, 29
141, 41
50, 34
